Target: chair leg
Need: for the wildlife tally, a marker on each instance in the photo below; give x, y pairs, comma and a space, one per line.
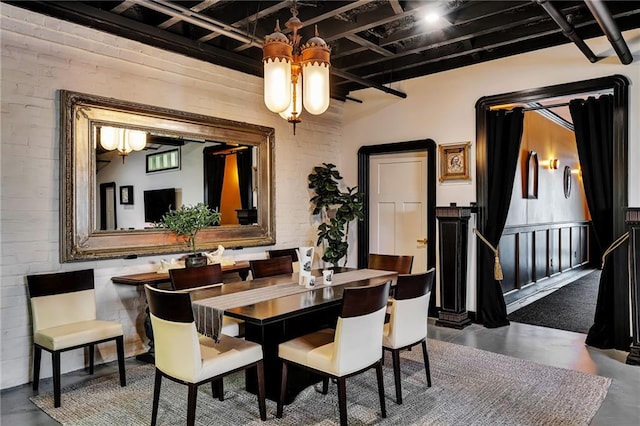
191, 404
283, 389
37, 356
325, 386
56, 378
220, 385
261, 390
342, 400
425, 354
156, 397
383, 406
92, 352
120, 349
396, 374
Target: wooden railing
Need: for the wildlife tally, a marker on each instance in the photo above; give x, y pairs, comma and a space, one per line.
531, 253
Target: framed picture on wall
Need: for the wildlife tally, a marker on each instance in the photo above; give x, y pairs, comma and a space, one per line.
531, 177
126, 194
454, 161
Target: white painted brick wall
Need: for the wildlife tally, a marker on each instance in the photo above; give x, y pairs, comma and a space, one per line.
41, 55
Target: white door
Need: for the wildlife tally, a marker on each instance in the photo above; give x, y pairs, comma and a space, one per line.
398, 206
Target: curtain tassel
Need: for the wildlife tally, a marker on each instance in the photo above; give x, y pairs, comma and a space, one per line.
497, 269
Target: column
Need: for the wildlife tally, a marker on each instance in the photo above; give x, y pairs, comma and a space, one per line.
453, 226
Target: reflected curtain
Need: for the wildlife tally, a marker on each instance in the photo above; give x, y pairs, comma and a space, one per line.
504, 133
593, 122
213, 178
244, 159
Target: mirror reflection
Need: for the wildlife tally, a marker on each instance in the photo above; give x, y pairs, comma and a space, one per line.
124, 164
154, 173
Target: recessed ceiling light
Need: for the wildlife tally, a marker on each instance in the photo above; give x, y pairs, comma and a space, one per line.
432, 17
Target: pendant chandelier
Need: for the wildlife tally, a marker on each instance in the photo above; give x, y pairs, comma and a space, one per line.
124, 140
294, 74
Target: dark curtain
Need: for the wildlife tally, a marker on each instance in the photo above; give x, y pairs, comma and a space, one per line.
213, 178
245, 162
593, 122
504, 132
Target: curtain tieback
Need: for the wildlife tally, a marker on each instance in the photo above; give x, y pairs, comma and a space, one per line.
497, 269
614, 245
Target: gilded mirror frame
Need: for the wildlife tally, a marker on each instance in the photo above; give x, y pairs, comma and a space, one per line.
79, 239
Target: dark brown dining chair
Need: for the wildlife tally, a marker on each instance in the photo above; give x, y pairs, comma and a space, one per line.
185, 357
407, 326
269, 267
203, 276
389, 262
295, 263
352, 348
63, 309
186, 278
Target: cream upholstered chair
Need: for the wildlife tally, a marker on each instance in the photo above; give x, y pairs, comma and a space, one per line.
391, 262
295, 262
352, 348
269, 267
407, 324
185, 357
63, 309
184, 279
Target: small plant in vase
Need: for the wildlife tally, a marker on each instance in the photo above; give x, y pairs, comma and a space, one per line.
186, 222
336, 209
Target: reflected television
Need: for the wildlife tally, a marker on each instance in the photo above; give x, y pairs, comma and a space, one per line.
158, 202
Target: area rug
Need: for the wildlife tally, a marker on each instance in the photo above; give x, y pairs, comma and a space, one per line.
470, 387
570, 308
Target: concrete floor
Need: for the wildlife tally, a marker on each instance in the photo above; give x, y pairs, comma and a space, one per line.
543, 345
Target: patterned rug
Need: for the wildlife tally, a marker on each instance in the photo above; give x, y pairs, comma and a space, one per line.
470, 387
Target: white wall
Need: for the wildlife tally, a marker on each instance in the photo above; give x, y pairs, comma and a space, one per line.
442, 107
41, 55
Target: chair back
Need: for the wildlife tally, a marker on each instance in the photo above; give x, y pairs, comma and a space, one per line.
358, 336
176, 343
186, 278
391, 262
270, 267
61, 298
295, 262
410, 308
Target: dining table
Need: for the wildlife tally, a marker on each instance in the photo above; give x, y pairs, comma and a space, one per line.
276, 309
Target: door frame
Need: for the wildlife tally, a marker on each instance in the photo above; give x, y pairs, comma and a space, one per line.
619, 84
364, 166
103, 205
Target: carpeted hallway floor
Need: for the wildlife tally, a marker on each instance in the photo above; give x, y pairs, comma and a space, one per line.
570, 307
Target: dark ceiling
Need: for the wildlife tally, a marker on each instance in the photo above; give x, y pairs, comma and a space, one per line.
373, 43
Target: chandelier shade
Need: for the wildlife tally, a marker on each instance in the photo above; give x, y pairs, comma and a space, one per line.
124, 140
277, 85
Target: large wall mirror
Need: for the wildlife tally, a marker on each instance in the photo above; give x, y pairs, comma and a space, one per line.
112, 199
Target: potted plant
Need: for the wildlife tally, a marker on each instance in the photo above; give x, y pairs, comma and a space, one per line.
336, 208
186, 222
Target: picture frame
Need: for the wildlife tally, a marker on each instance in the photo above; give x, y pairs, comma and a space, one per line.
531, 177
126, 194
161, 161
454, 162
566, 181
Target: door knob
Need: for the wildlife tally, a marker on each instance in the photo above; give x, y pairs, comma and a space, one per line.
422, 241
